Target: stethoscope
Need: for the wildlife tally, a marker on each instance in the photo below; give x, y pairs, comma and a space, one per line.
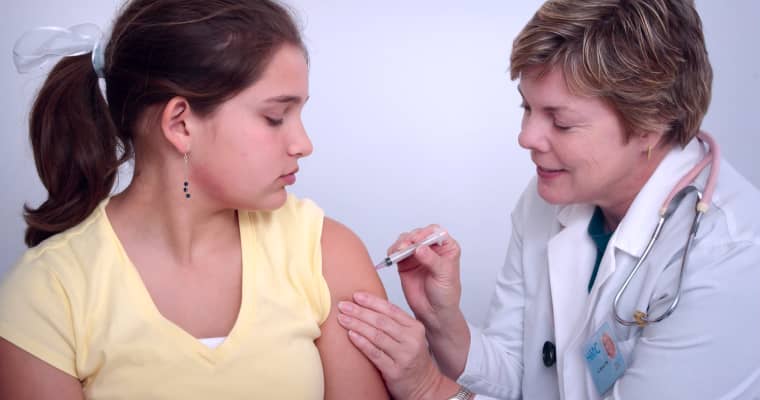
683, 188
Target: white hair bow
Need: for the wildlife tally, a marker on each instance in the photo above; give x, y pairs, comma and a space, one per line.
39, 46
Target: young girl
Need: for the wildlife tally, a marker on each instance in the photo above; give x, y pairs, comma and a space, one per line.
203, 278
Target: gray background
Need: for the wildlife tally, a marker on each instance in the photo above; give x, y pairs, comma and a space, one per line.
412, 114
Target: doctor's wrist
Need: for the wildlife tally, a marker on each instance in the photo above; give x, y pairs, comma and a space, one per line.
440, 321
447, 326
442, 388
450, 344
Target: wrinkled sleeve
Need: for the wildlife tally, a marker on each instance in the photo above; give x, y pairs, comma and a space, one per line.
35, 314
311, 217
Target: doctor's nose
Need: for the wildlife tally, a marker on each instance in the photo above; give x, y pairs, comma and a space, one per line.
533, 135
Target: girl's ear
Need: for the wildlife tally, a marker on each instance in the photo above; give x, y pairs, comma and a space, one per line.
175, 125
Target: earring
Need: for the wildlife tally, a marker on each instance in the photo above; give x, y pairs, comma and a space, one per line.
649, 152
186, 185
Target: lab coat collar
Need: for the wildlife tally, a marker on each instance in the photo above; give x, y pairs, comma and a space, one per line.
571, 214
634, 231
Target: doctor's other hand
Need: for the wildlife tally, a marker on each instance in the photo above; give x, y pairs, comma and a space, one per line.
430, 277
395, 343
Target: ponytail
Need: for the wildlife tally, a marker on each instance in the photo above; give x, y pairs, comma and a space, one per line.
75, 145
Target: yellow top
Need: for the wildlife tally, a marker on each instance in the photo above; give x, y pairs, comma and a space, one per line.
77, 302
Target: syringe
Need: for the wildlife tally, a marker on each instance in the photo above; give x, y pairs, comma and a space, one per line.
436, 238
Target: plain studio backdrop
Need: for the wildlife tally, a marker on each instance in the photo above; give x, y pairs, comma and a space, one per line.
412, 114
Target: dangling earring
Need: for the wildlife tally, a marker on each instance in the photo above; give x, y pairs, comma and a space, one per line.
186, 185
649, 152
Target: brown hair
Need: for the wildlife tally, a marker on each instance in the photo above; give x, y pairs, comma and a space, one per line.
204, 50
647, 58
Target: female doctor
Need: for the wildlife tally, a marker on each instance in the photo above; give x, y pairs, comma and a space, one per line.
614, 93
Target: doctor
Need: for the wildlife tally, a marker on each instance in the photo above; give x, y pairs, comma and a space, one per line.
614, 93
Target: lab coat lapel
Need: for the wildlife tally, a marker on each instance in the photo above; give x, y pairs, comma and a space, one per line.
571, 256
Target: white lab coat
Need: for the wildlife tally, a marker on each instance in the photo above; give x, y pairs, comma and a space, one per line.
709, 348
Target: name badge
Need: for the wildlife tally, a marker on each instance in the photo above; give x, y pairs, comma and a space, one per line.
604, 361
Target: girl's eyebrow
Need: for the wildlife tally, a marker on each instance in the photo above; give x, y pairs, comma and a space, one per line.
287, 99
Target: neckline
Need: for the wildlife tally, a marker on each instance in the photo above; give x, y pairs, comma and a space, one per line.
173, 331
212, 342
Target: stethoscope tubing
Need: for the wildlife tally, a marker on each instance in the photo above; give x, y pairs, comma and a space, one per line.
682, 188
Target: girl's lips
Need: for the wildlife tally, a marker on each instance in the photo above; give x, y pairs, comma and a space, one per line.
289, 179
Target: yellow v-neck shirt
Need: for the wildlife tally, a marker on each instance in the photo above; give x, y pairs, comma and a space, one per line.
77, 302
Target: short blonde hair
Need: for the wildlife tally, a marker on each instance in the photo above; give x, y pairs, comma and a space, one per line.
647, 58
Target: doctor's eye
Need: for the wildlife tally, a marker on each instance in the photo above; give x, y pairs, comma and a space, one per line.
561, 127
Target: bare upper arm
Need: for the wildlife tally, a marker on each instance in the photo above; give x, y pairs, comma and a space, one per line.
24, 376
347, 268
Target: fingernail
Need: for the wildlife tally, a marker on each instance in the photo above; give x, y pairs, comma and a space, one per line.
345, 306
343, 319
360, 297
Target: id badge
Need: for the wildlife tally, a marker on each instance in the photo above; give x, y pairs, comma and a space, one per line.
604, 361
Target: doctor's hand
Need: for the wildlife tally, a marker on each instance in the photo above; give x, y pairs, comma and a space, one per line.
395, 343
430, 277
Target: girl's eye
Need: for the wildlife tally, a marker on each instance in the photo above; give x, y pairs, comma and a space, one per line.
525, 107
274, 121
